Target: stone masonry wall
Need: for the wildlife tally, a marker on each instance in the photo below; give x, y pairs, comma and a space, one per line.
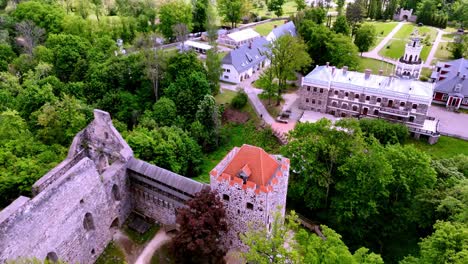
54, 220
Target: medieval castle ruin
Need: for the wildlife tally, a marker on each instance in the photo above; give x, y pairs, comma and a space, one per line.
78, 204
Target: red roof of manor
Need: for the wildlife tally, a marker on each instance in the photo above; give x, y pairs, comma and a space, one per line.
262, 166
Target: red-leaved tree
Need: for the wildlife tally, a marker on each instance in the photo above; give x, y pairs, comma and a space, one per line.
202, 224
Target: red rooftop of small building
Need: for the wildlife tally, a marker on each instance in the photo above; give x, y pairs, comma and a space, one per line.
258, 165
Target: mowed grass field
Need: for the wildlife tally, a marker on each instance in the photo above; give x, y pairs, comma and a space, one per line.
375, 66
446, 147
289, 8
382, 29
396, 49
265, 29
442, 53
406, 30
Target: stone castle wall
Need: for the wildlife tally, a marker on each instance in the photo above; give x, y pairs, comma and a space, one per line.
53, 221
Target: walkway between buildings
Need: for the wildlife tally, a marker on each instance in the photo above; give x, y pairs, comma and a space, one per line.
433, 51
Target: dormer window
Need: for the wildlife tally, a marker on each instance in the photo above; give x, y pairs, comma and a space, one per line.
245, 173
457, 88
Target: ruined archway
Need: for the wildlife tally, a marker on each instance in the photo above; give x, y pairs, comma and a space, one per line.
88, 222
115, 192
51, 257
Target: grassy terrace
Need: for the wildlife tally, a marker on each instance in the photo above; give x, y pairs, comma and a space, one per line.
112, 254
442, 53
264, 29
446, 147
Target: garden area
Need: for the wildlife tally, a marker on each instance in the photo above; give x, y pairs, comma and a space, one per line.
446, 147
395, 48
382, 29
235, 134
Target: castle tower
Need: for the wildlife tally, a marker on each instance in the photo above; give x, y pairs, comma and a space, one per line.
252, 185
410, 64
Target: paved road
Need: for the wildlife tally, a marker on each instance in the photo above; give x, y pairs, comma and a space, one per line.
450, 122
435, 45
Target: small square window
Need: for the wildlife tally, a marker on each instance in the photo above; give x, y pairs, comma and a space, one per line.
228, 70
307, 100
226, 77
313, 101
415, 106
308, 88
379, 100
315, 89
346, 94
321, 90
356, 96
402, 104
226, 197
336, 92
367, 98
319, 102
249, 206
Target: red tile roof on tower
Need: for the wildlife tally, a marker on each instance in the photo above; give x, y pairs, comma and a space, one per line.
262, 166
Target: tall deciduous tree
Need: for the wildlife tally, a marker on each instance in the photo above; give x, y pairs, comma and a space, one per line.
173, 13
342, 52
300, 4
287, 55
355, 12
276, 6
208, 115
202, 224
31, 34
200, 13
232, 11
365, 37
213, 60
341, 26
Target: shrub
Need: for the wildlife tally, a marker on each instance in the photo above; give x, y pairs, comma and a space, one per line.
423, 78
240, 100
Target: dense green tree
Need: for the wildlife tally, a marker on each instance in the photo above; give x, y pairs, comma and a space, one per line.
342, 52
208, 116
267, 245
43, 14
69, 55
182, 65
341, 26
460, 12
9, 89
232, 11
287, 55
187, 92
300, 4
355, 12
202, 224
448, 244
200, 14
276, 6
365, 37
315, 14
168, 147
59, 121
339, 6
459, 47
173, 13
267, 83
7, 55
332, 249
385, 132
164, 112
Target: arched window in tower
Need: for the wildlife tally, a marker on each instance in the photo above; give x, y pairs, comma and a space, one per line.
414, 44
410, 58
88, 222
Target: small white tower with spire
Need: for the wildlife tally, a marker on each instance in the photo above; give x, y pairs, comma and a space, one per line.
410, 64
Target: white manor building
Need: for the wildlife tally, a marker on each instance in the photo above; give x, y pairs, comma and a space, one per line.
410, 64
241, 63
344, 93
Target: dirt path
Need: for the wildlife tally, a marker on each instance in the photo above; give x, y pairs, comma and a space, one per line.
159, 239
129, 248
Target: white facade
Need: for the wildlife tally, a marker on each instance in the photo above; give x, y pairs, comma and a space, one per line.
410, 64
239, 38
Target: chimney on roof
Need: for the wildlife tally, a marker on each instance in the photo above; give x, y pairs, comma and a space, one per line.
333, 69
328, 64
250, 44
464, 76
367, 73
345, 70
380, 72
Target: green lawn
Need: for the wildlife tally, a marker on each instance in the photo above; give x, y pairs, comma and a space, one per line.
406, 30
397, 49
442, 53
446, 147
112, 254
265, 29
449, 37
289, 8
375, 66
141, 238
383, 28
